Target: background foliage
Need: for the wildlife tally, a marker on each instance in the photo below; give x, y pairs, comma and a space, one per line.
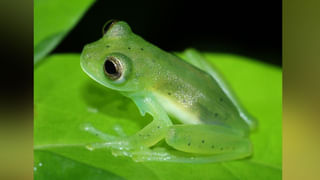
66, 100
53, 19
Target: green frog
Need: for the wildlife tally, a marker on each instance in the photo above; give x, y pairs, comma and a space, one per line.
213, 126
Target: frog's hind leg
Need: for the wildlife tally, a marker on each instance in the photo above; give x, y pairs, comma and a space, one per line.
164, 155
195, 58
198, 144
209, 142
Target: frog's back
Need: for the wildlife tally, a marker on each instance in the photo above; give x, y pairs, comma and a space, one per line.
186, 92
193, 96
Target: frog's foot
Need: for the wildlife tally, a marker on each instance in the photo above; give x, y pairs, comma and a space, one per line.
165, 155
143, 154
120, 142
102, 135
138, 154
119, 130
160, 154
116, 144
157, 154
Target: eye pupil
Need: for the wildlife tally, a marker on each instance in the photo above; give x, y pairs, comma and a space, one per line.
110, 67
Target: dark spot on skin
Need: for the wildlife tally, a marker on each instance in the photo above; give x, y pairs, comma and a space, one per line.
141, 49
216, 114
96, 134
220, 99
158, 127
189, 144
202, 141
139, 135
212, 146
107, 46
169, 93
221, 148
129, 48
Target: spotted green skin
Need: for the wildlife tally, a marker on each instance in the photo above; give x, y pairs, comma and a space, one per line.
214, 126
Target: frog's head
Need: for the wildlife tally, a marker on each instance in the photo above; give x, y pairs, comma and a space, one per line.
112, 60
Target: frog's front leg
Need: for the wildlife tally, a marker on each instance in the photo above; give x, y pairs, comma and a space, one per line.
200, 143
148, 136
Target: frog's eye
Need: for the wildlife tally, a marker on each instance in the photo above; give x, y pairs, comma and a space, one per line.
113, 68
108, 25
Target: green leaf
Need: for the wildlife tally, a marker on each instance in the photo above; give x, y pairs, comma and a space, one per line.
66, 100
53, 19
52, 166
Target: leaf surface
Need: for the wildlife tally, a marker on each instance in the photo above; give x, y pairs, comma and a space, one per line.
53, 19
66, 100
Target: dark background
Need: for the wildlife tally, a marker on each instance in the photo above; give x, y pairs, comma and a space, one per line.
248, 28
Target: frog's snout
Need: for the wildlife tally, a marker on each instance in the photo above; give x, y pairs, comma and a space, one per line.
83, 52
84, 58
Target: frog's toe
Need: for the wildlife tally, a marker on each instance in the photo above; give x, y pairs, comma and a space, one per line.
102, 135
116, 146
117, 152
150, 155
119, 130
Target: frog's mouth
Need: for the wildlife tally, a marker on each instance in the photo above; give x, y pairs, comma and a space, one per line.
85, 66
83, 63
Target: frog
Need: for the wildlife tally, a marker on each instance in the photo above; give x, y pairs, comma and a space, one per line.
211, 125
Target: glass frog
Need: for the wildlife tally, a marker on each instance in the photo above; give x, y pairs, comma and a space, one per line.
213, 124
